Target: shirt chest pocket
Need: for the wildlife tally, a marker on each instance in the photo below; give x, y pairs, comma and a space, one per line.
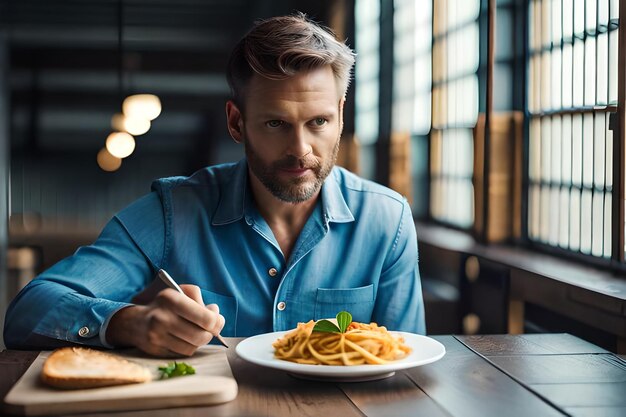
228, 309
357, 301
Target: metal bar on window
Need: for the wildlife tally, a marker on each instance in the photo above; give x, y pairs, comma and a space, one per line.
618, 144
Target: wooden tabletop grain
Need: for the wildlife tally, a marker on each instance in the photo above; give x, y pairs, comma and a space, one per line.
495, 375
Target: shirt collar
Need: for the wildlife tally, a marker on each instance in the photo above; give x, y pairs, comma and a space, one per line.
232, 204
334, 206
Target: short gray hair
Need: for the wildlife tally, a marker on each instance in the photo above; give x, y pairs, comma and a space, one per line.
279, 47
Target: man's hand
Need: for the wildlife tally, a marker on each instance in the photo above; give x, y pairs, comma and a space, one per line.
170, 325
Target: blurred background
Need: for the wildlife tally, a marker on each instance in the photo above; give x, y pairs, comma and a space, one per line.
502, 122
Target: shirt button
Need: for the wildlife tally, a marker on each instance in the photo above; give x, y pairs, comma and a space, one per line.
83, 331
281, 306
272, 272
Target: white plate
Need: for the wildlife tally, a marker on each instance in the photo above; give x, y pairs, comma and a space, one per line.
258, 350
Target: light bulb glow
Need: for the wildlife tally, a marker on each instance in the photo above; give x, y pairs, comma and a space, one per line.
108, 162
136, 126
143, 106
120, 144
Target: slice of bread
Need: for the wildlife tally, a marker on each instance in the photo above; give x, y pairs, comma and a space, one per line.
76, 368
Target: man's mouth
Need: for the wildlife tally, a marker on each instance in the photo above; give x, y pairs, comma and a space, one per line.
295, 171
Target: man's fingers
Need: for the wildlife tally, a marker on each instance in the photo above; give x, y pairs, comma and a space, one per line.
221, 321
167, 344
167, 330
191, 333
183, 306
193, 292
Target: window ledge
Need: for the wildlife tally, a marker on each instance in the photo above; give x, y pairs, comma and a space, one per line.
590, 294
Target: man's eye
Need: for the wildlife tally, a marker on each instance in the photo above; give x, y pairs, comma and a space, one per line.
274, 123
319, 121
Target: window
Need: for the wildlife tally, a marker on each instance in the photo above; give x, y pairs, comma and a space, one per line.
572, 88
412, 88
455, 110
367, 73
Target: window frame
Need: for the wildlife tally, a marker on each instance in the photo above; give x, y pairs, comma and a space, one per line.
616, 115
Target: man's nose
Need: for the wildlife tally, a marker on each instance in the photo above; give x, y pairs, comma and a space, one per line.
299, 143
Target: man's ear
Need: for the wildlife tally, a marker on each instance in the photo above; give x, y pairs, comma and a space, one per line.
234, 120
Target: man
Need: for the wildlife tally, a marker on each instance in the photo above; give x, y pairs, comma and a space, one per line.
280, 237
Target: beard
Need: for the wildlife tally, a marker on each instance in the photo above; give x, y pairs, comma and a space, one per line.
292, 190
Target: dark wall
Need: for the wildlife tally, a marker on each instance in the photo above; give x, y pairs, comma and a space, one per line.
4, 179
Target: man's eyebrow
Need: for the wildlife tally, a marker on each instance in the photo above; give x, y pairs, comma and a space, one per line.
325, 115
279, 116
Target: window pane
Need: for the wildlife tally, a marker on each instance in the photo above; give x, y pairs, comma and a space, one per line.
563, 217
597, 224
455, 108
553, 238
579, 62
602, 70
599, 152
546, 37
613, 52
585, 222
588, 129
555, 151
405, 56
574, 222
422, 74
607, 225
614, 9
591, 16
462, 11
421, 114
557, 76
533, 84
556, 22
535, 25
609, 155
590, 71
566, 167
546, 99
567, 75
462, 53
545, 149
534, 155
367, 15
366, 125
603, 13
544, 231
579, 17
533, 211
577, 149
568, 19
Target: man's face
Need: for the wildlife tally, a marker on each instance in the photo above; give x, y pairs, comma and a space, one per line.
291, 130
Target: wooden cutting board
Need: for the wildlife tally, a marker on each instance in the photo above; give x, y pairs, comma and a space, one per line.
213, 383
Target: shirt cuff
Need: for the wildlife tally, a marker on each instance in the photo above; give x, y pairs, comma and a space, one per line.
78, 319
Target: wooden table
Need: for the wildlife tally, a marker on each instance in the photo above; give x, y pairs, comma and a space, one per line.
497, 375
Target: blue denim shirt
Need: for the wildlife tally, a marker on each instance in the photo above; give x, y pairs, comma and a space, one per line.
356, 252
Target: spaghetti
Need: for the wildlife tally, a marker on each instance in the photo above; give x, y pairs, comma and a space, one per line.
360, 344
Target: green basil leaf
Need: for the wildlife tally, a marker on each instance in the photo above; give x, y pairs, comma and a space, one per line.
326, 326
344, 319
